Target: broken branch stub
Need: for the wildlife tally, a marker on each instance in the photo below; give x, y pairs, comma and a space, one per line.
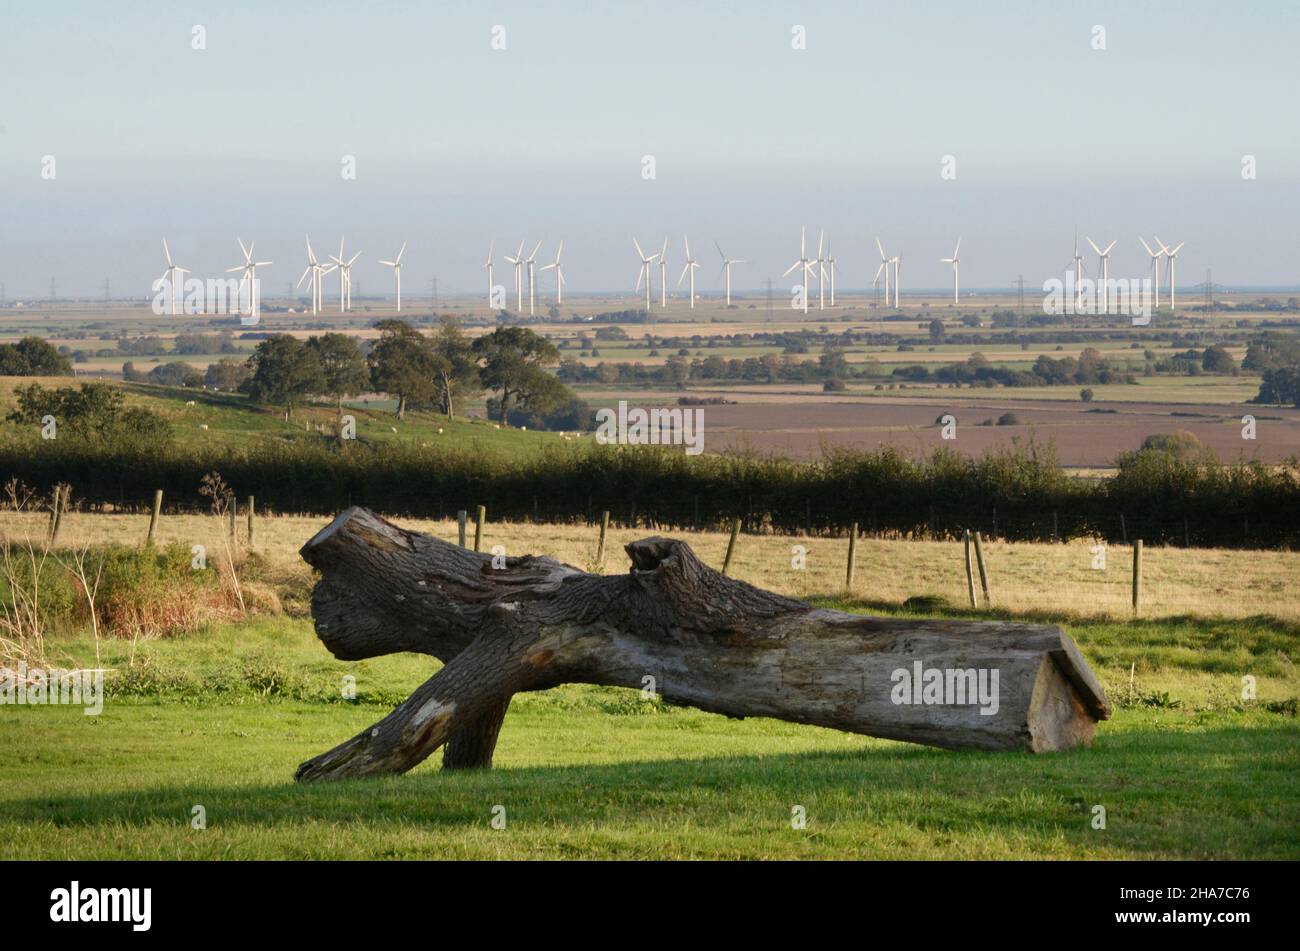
707, 641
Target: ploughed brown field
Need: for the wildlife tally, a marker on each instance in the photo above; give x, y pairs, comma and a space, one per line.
1082, 438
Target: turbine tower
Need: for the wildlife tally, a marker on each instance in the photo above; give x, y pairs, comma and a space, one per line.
492, 246
690, 267
885, 263
396, 265
804, 264
1155, 265
645, 271
249, 267
821, 271
955, 261
531, 261
559, 274
663, 274
1105, 274
1172, 255
831, 268
518, 262
345, 277
317, 271
1078, 273
169, 275
726, 267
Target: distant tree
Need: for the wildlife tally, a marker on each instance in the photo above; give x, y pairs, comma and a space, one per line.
1217, 360
175, 373
514, 361
455, 365
1179, 442
92, 411
402, 365
1280, 386
33, 356
226, 375
937, 331
284, 371
343, 367
1086, 394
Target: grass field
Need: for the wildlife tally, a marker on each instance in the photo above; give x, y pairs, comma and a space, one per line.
221, 718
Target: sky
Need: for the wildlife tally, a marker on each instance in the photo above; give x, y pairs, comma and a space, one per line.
456, 144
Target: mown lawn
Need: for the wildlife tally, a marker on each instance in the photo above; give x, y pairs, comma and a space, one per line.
222, 719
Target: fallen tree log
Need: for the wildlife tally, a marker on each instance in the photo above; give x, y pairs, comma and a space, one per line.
675, 625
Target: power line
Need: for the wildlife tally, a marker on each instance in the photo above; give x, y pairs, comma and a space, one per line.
1020, 283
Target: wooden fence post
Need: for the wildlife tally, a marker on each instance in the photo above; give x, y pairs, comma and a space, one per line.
1056, 535
153, 518
249, 514
480, 517
600, 546
1123, 529
853, 553
462, 517
970, 572
61, 495
984, 574
1137, 575
731, 545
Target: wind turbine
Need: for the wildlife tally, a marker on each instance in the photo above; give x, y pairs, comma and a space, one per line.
885, 262
831, 268
645, 271
316, 270
955, 261
1155, 265
559, 274
345, 277
1105, 274
691, 265
1078, 273
821, 271
1172, 254
726, 266
804, 263
663, 274
492, 246
396, 265
169, 275
531, 261
249, 267
518, 262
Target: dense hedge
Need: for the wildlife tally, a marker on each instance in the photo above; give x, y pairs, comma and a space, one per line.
1016, 494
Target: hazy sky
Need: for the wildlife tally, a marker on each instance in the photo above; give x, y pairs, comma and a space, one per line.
456, 143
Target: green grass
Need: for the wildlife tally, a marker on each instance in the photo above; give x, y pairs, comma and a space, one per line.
222, 719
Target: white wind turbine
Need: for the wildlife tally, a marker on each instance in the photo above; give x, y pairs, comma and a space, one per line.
645, 272
492, 247
249, 267
559, 274
804, 263
1078, 273
726, 267
955, 261
831, 268
345, 277
531, 261
316, 270
518, 262
690, 267
1155, 265
885, 263
1105, 274
169, 275
821, 271
396, 265
663, 274
1172, 255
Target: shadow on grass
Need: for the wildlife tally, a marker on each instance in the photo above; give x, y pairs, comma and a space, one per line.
1214, 792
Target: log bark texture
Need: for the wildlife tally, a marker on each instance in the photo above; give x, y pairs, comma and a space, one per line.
707, 641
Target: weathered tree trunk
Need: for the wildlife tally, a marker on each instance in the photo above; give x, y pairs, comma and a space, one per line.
677, 626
